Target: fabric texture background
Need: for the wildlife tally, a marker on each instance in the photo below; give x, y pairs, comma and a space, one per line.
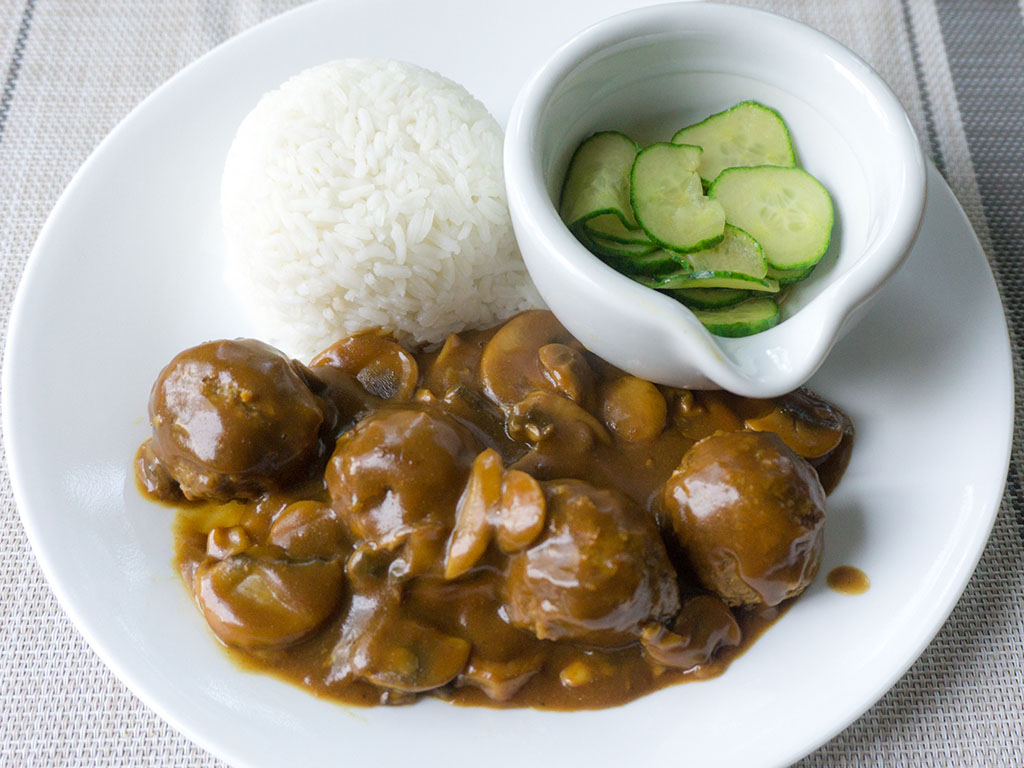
72, 70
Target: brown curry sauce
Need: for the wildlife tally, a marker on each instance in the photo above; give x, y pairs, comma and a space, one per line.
630, 445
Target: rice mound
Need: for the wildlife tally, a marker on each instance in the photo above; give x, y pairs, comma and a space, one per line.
370, 193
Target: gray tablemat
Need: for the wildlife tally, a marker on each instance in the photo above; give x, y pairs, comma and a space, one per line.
72, 70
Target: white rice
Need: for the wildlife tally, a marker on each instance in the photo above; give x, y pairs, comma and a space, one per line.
366, 193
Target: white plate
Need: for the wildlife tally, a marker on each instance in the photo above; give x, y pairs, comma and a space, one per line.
127, 272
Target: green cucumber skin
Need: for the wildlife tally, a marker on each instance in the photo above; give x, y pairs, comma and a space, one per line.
787, 277
604, 247
625, 216
790, 163
684, 279
625, 235
688, 247
652, 266
709, 298
723, 322
725, 176
660, 262
630, 263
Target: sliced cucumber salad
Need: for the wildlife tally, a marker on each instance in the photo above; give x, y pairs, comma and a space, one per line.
743, 319
785, 209
720, 218
746, 134
668, 199
597, 183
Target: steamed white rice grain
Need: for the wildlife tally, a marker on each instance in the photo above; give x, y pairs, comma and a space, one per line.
367, 193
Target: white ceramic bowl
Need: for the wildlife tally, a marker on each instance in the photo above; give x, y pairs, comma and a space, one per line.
652, 71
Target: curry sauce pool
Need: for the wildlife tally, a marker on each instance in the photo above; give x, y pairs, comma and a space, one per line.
506, 520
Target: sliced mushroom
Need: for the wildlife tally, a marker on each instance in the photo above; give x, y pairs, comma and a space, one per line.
309, 529
378, 362
223, 542
633, 409
470, 407
501, 680
259, 599
560, 432
703, 626
567, 371
407, 656
367, 568
700, 414
510, 367
809, 426
457, 361
520, 515
508, 506
472, 531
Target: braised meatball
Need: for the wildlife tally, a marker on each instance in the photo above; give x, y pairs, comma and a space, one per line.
598, 573
231, 419
397, 475
750, 515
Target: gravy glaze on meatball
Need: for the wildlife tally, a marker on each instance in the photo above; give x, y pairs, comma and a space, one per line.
396, 477
231, 420
598, 573
750, 515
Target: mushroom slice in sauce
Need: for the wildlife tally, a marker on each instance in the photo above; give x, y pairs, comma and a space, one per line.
472, 531
501, 680
703, 626
567, 371
260, 599
809, 426
378, 363
560, 432
389, 650
520, 517
511, 368
309, 529
508, 506
224, 542
633, 409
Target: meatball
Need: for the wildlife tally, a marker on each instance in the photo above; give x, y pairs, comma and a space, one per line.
750, 515
233, 419
397, 476
598, 573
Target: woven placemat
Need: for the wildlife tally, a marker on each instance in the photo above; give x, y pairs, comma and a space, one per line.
72, 70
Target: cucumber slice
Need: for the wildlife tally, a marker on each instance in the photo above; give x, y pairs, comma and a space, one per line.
746, 134
658, 263
787, 276
744, 319
604, 247
685, 279
610, 227
597, 181
786, 210
669, 202
738, 252
650, 266
631, 259
709, 298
